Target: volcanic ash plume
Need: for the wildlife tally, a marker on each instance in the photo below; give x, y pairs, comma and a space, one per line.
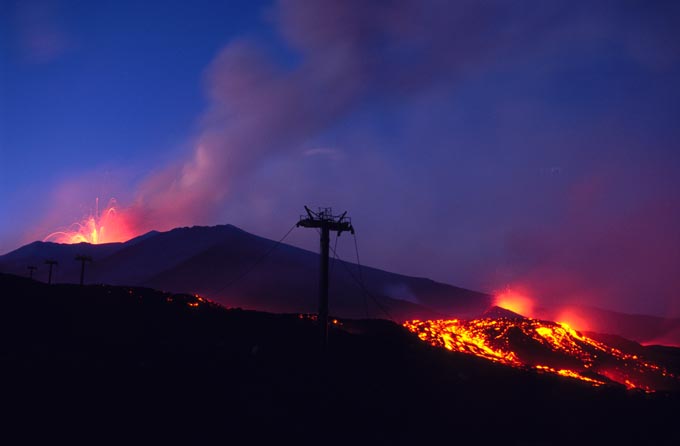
347, 53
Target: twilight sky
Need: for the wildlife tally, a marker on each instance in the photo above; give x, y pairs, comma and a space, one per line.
486, 144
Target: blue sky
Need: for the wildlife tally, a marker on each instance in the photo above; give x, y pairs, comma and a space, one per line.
122, 81
486, 145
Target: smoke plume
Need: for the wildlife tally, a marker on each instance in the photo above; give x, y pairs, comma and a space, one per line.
483, 144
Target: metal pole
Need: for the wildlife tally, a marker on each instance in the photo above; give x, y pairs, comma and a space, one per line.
82, 271
82, 259
323, 286
51, 263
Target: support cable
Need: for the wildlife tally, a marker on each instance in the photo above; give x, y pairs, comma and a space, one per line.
361, 277
335, 257
363, 288
256, 263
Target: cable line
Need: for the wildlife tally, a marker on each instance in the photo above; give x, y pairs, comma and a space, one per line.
257, 262
363, 288
361, 277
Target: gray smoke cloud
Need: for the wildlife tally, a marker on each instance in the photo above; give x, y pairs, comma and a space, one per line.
479, 143
348, 53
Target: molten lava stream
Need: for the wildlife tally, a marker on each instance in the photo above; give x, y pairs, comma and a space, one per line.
543, 346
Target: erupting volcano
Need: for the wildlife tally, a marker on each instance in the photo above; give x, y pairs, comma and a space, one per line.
546, 347
109, 226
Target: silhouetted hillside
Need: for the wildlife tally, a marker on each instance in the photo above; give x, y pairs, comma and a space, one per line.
218, 262
232, 267
496, 312
101, 364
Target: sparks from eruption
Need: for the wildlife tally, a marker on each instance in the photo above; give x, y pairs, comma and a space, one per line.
108, 226
545, 347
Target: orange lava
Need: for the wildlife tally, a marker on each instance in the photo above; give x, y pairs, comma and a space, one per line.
109, 226
545, 347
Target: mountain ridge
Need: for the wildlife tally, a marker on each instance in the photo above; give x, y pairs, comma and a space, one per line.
203, 259
229, 265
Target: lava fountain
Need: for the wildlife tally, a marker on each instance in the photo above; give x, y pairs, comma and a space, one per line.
108, 226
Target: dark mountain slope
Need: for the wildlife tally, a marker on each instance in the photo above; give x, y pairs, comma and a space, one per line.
136, 263
219, 262
99, 364
68, 270
287, 280
226, 264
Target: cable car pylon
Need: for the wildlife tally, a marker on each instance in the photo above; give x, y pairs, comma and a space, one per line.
326, 222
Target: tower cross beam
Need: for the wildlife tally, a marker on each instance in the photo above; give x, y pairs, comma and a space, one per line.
331, 225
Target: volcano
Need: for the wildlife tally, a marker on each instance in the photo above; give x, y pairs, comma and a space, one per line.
237, 269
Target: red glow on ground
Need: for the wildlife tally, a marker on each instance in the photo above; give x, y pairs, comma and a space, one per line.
107, 226
516, 302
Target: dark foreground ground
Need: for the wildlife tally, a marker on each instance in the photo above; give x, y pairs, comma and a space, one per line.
99, 364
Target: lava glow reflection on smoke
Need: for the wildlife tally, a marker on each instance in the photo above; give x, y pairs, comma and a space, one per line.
107, 226
516, 302
573, 319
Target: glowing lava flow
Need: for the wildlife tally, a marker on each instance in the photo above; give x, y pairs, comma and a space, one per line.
106, 227
545, 347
